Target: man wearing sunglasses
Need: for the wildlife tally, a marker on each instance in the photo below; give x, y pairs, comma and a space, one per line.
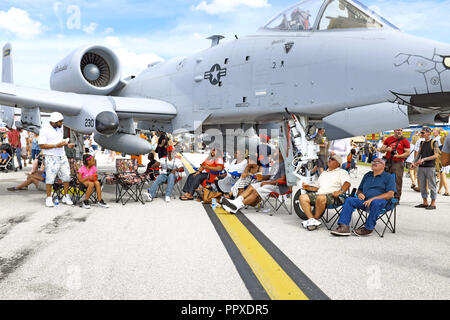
376, 189
331, 184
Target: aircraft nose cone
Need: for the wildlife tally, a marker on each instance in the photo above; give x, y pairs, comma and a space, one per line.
107, 123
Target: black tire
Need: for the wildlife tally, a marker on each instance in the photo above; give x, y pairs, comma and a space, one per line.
298, 210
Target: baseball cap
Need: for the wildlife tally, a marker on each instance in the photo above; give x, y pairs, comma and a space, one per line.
337, 158
56, 116
170, 148
426, 129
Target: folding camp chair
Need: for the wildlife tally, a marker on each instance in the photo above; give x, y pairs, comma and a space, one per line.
388, 218
331, 214
280, 201
129, 183
78, 189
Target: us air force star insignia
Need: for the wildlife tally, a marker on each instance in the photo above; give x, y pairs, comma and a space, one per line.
215, 74
288, 46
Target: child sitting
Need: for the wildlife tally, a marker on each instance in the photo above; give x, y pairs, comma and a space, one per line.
87, 175
4, 157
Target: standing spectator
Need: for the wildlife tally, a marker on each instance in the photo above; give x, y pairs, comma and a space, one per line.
154, 141
445, 158
264, 151
416, 153
340, 147
14, 141
35, 150
381, 155
320, 140
52, 145
163, 143
426, 161
23, 144
87, 144
397, 150
366, 150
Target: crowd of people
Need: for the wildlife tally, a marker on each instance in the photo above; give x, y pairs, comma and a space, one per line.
251, 178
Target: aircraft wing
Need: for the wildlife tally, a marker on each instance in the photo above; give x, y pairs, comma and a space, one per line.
49, 101
71, 104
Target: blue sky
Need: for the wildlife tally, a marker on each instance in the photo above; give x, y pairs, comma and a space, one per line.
141, 32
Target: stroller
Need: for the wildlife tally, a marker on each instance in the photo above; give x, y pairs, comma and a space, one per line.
10, 163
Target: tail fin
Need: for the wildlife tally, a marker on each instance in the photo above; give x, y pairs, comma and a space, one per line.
7, 113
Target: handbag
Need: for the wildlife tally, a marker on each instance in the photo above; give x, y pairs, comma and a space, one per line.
208, 195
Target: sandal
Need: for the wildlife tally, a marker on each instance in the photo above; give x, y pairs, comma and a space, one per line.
446, 194
186, 199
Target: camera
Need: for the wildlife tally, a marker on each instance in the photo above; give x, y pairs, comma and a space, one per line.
394, 153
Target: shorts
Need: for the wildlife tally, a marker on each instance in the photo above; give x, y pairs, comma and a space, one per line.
56, 166
41, 186
330, 199
266, 190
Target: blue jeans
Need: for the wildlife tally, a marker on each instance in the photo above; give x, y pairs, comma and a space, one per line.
162, 178
19, 157
376, 207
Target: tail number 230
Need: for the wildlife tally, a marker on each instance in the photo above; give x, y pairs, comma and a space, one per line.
89, 123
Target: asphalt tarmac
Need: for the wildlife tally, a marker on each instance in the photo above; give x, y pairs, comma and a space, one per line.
174, 251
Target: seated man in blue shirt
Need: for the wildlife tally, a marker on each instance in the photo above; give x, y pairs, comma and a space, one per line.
376, 189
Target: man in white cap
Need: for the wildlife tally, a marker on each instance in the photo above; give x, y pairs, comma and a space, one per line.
332, 183
52, 143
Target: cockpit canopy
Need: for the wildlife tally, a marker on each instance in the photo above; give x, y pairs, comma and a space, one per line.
327, 15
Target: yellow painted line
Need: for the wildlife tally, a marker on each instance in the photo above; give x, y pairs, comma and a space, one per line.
276, 282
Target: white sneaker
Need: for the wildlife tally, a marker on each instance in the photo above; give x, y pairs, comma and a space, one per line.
66, 200
167, 199
224, 207
149, 197
313, 224
49, 202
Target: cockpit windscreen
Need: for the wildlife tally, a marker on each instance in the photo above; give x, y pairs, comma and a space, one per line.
327, 15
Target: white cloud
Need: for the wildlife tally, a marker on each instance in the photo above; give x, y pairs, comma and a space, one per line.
224, 6
18, 22
90, 29
108, 31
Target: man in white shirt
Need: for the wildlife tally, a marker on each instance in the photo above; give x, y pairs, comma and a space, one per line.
171, 167
331, 184
52, 145
340, 147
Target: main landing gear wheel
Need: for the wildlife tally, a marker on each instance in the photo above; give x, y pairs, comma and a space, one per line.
297, 208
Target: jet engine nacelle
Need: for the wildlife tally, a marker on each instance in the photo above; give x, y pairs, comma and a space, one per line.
365, 120
91, 69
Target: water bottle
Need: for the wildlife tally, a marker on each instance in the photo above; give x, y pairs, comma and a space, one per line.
56, 201
214, 203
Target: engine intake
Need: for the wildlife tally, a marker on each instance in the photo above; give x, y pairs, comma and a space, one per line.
88, 70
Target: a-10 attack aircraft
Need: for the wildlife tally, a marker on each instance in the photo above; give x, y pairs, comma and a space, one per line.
334, 61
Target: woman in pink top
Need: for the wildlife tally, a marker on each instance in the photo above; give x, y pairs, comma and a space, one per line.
87, 175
